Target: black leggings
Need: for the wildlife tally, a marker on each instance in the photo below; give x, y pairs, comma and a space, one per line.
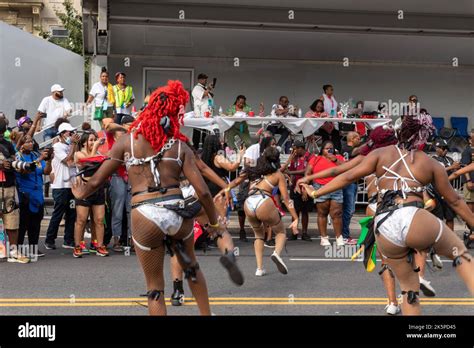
30, 223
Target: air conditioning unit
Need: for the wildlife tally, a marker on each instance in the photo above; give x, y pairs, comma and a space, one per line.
59, 32
36, 10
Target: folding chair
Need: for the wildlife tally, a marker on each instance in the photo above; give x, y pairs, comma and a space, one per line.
438, 122
460, 124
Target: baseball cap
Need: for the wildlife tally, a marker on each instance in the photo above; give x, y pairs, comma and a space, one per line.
56, 88
23, 120
441, 143
298, 143
65, 127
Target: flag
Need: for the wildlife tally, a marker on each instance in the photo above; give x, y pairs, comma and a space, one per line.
366, 243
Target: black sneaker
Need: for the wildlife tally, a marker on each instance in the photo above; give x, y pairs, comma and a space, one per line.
306, 237
68, 245
177, 298
243, 236
269, 243
39, 253
50, 246
293, 237
230, 264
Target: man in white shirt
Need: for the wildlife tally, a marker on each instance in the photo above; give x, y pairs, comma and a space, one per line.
53, 107
202, 98
282, 109
63, 172
201, 95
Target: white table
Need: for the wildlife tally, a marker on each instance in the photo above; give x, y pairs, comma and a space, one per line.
295, 125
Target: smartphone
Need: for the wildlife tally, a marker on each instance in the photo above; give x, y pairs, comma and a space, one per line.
214, 80
43, 115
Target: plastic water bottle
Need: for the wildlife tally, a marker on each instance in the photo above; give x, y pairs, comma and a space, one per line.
300, 113
220, 111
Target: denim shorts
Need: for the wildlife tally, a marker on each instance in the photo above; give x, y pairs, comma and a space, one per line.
336, 196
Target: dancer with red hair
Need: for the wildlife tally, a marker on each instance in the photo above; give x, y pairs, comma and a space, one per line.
156, 155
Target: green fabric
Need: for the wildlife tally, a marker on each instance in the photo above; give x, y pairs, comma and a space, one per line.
231, 110
367, 241
7, 134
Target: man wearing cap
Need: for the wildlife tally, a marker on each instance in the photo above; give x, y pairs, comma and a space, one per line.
53, 107
63, 172
442, 210
296, 167
350, 149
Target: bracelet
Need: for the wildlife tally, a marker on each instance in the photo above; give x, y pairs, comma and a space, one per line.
214, 225
227, 189
314, 194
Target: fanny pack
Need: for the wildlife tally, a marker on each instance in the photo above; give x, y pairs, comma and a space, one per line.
186, 208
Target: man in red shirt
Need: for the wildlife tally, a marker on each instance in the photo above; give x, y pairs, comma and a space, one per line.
296, 167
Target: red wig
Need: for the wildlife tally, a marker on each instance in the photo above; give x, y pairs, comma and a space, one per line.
165, 101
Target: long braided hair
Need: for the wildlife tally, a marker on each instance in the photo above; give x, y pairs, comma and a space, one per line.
162, 118
415, 130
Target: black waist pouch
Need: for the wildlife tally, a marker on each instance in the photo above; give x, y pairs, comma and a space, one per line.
187, 208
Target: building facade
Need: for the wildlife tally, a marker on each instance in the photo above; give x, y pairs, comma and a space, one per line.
36, 17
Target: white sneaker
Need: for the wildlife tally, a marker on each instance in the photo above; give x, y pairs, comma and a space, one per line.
340, 241
279, 262
325, 241
260, 272
392, 309
426, 288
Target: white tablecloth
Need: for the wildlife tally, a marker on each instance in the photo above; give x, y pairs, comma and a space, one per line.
295, 125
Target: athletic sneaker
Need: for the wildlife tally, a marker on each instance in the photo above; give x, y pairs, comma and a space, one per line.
293, 237
84, 249
230, 264
350, 241
392, 309
260, 272
17, 258
340, 241
426, 288
50, 246
325, 241
67, 245
279, 262
306, 237
102, 251
93, 246
269, 243
77, 253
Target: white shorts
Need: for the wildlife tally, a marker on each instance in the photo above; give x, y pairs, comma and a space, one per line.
396, 227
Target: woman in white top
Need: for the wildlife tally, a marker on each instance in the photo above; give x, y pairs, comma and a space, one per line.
103, 97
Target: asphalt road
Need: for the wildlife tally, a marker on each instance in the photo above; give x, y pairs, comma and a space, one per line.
318, 283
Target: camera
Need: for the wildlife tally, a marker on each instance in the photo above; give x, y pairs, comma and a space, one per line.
20, 165
331, 151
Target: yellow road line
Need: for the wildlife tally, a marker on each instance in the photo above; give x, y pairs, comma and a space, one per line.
285, 299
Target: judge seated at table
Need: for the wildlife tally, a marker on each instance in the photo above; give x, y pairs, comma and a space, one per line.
327, 131
282, 109
239, 129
